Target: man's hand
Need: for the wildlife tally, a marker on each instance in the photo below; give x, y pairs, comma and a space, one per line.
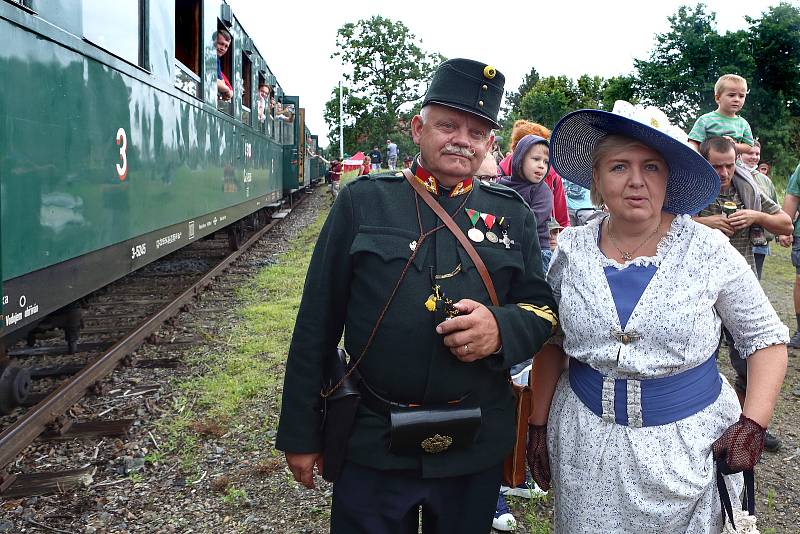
224, 91
302, 466
741, 219
719, 222
785, 240
472, 335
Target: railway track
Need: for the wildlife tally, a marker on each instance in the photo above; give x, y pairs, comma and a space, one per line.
120, 319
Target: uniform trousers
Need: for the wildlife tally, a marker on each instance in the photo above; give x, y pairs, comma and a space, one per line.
371, 501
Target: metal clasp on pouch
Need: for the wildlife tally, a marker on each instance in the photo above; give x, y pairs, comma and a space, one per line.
436, 443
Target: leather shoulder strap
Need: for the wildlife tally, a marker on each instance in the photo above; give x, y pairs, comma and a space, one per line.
456, 231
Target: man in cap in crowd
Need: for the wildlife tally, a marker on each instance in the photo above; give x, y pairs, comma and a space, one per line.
440, 346
739, 209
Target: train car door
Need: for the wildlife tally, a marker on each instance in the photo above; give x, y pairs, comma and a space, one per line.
291, 155
302, 149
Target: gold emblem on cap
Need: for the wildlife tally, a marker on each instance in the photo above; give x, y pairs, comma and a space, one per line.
489, 72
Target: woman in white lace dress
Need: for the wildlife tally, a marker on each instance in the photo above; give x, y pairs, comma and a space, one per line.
631, 421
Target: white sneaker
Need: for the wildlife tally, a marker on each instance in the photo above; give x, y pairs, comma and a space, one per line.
503, 519
524, 490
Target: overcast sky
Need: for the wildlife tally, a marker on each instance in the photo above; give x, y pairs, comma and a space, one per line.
557, 37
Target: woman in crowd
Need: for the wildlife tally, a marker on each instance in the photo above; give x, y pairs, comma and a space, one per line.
641, 415
366, 166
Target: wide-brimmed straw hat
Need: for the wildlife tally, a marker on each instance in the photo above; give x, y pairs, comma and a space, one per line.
692, 184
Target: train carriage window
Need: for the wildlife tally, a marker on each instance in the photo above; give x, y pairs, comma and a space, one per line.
262, 103
247, 88
115, 26
224, 68
187, 46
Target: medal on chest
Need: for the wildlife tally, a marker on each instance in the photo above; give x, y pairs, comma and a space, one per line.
489, 220
504, 226
473, 233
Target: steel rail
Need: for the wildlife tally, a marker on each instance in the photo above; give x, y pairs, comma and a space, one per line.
35, 421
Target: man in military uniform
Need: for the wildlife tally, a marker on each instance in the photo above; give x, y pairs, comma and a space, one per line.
416, 357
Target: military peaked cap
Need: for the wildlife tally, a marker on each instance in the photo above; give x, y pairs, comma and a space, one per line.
467, 85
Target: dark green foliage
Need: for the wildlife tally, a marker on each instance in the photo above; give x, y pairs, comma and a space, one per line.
677, 77
773, 106
550, 99
619, 88
385, 69
513, 97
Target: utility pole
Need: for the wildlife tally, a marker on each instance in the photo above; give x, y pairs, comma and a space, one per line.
341, 122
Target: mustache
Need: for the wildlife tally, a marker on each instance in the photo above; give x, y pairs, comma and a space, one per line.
458, 151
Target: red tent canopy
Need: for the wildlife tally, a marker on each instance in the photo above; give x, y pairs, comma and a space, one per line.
354, 162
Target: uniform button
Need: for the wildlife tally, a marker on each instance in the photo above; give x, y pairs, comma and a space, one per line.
480, 103
484, 87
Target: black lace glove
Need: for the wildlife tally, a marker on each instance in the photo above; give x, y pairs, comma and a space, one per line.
538, 460
740, 446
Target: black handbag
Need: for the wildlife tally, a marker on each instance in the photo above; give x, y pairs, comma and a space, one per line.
432, 429
338, 413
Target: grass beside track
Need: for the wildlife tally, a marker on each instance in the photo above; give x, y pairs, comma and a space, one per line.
244, 366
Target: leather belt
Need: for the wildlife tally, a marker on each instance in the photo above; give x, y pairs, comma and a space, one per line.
379, 404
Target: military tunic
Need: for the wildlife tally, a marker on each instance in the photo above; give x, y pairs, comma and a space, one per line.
358, 258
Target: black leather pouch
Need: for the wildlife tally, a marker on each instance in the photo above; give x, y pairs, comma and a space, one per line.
338, 414
432, 429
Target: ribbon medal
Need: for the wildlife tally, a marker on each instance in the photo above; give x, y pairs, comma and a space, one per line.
473, 233
506, 241
488, 220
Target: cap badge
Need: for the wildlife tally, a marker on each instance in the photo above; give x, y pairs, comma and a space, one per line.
489, 72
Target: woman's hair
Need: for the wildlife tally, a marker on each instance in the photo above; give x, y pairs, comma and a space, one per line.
522, 128
606, 146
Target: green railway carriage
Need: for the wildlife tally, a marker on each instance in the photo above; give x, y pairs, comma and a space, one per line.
116, 149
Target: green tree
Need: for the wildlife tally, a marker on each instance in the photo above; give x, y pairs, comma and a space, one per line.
513, 98
550, 99
355, 114
384, 64
777, 54
590, 91
618, 88
676, 77
773, 105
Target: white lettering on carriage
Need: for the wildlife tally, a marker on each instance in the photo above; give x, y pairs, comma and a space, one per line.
13, 318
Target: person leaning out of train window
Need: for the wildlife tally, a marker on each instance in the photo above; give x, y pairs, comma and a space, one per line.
284, 113
264, 97
222, 41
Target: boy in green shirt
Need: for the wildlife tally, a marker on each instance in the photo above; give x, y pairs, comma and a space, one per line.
730, 92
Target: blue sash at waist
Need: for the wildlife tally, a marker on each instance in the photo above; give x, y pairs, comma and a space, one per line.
648, 402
